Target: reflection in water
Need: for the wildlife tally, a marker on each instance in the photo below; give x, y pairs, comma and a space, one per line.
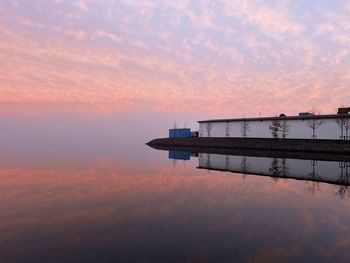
175, 155
108, 210
244, 164
318, 171
313, 172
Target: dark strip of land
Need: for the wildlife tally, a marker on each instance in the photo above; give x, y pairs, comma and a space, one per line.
240, 146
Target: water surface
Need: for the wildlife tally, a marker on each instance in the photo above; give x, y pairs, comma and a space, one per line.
100, 198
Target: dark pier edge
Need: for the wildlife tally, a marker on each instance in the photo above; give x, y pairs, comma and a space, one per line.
259, 147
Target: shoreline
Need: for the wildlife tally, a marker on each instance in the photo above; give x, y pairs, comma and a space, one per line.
256, 144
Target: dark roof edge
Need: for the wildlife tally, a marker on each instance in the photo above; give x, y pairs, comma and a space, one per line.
305, 117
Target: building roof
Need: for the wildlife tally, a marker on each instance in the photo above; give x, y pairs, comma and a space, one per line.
304, 117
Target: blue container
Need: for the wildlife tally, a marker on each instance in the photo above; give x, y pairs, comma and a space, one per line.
179, 155
179, 133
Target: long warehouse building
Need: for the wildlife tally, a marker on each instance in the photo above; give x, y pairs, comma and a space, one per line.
304, 126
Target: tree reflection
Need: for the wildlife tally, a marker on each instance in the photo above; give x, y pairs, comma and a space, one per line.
244, 165
285, 168
208, 163
343, 190
275, 170
174, 161
279, 168
227, 162
314, 186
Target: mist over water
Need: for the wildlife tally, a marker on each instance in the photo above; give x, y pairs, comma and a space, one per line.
88, 189
67, 136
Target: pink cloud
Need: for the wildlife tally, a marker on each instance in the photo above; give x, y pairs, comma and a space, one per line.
271, 20
82, 5
105, 71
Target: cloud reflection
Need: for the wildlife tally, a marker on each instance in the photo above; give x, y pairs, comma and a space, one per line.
181, 213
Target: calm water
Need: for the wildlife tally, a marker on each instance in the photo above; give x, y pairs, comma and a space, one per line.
99, 198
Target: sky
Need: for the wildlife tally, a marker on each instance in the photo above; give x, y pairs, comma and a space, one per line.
208, 58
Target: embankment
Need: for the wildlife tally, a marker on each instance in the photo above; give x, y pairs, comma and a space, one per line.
287, 145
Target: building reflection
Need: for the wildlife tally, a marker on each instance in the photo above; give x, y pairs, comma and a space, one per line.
318, 171
177, 155
314, 171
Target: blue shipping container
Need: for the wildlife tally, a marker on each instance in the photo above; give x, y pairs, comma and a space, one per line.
179, 133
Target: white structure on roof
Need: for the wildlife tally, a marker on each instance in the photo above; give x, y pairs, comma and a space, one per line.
304, 126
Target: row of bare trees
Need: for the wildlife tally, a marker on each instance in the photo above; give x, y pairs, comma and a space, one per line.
344, 125
280, 128
245, 128
314, 123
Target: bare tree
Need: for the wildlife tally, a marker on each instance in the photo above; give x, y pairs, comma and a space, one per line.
245, 128
285, 128
344, 125
347, 127
201, 128
313, 123
208, 127
227, 130
341, 123
275, 127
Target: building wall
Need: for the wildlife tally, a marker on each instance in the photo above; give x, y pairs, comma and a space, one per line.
298, 129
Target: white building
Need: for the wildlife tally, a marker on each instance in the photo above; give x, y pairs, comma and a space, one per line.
304, 126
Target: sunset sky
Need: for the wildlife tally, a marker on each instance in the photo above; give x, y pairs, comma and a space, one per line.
225, 57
